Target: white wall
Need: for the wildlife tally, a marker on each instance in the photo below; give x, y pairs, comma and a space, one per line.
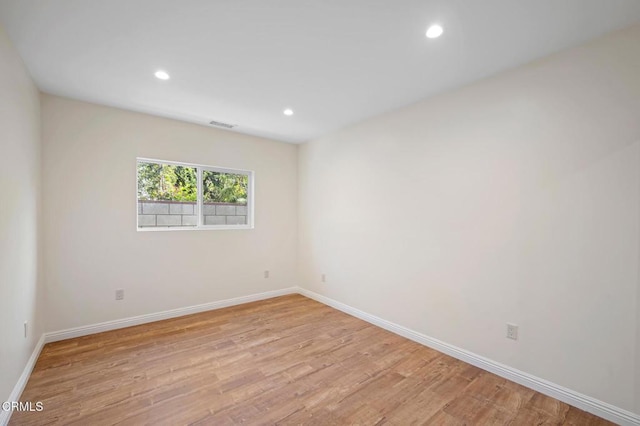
516, 200
20, 289
91, 243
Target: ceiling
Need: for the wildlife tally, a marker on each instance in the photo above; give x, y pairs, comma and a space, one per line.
333, 62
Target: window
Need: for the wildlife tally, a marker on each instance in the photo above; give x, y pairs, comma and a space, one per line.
188, 196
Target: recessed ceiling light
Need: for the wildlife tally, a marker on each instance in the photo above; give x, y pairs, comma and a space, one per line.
434, 31
288, 111
162, 75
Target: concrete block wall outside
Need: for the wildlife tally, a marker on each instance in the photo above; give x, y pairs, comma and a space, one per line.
175, 213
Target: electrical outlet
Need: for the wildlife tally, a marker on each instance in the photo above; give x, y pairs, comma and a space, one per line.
266, 274
120, 294
323, 278
26, 329
512, 331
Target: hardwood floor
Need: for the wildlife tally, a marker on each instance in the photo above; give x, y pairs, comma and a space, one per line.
288, 360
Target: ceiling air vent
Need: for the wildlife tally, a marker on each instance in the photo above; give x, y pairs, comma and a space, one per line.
220, 124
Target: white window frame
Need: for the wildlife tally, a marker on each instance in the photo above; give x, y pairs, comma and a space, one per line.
200, 226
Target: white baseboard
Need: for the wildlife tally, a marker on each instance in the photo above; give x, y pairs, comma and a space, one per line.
22, 381
122, 323
584, 402
70, 333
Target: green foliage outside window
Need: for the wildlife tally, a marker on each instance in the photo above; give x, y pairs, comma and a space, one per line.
167, 182
224, 187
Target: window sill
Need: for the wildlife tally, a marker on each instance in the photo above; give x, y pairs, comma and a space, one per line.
194, 228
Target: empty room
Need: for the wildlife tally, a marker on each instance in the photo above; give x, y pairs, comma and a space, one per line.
320, 212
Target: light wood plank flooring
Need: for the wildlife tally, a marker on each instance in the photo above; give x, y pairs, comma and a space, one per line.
287, 360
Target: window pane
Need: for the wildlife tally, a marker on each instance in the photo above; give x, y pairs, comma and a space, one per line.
224, 197
167, 195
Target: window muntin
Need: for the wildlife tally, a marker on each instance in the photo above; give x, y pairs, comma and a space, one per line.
174, 195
